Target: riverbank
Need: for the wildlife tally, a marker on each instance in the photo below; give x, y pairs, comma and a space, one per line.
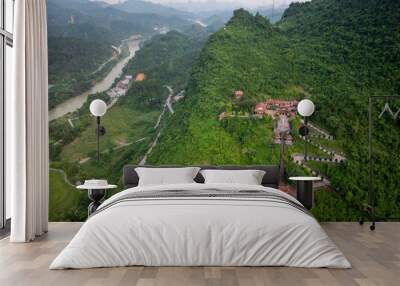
76, 102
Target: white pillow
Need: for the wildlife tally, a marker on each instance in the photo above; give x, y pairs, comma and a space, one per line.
166, 176
247, 177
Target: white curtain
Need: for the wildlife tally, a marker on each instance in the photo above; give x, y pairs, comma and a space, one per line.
27, 124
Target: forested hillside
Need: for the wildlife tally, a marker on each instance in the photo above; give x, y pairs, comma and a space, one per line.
334, 52
169, 58
81, 34
132, 123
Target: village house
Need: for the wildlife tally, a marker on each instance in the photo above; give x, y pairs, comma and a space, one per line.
239, 94
121, 88
282, 111
275, 108
140, 77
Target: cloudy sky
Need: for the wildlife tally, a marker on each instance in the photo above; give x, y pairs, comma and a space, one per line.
248, 3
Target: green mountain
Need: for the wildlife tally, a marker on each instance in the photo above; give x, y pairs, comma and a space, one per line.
334, 52
80, 36
273, 15
168, 58
165, 60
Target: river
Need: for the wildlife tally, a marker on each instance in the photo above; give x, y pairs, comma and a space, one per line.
74, 103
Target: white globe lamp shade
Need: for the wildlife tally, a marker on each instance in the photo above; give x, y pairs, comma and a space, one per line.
98, 107
306, 108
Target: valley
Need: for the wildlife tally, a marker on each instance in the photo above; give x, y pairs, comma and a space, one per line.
75, 102
133, 121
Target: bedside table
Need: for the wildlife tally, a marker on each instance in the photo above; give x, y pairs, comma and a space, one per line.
97, 190
305, 193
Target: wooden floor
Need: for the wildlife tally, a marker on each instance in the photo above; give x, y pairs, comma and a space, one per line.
375, 257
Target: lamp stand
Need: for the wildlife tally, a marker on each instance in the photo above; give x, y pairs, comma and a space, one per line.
98, 137
100, 131
306, 140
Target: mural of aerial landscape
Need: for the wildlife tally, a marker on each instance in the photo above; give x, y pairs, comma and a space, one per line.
190, 85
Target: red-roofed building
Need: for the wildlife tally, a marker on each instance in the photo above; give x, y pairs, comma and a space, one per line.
140, 77
275, 108
239, 94
260, 109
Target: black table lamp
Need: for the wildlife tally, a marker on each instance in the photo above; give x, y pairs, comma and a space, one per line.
98, 108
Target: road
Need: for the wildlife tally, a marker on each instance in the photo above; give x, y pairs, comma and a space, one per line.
171, 110
154, 144
64, 176
334, 157
319, 130
166, 105
122, 145
168, 102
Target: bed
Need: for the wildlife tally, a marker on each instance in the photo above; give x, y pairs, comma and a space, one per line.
198, 224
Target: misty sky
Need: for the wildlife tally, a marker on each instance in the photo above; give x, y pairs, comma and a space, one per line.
248, 2
245, 3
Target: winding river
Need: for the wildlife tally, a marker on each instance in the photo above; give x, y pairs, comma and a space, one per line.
76, 102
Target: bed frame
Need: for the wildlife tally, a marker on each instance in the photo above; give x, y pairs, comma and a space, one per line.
271, 178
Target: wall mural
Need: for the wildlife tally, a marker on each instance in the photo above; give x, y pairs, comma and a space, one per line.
387, 109
223, 88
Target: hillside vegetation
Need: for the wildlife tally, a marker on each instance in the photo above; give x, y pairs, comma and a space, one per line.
334, 52
131, 123
81, 34
168, 58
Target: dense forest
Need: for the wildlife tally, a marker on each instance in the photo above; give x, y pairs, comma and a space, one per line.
130, 123
81, 34
334, 52
169, 58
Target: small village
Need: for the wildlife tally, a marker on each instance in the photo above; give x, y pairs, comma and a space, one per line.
123, 85
280, 110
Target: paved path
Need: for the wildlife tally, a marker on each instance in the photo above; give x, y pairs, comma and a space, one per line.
319, 130
62, 172
166, 105
70, 123
168, 102
159, 119
299, 160
334, 157
154, 144
122, 145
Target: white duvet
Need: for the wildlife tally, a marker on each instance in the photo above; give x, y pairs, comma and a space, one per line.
200, 232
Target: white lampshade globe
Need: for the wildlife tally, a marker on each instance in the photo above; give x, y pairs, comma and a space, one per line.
306, 108
98, 107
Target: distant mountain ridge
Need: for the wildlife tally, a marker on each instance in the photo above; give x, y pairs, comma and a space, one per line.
145, 7
102, 16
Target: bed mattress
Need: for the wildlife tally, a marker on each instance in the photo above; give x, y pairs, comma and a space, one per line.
201, 225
